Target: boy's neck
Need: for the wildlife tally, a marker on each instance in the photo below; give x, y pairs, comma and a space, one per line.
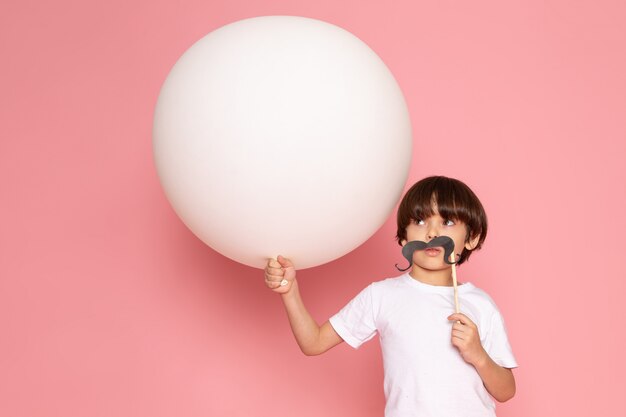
441, 278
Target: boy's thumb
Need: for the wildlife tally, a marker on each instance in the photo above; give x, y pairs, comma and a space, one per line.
284, 262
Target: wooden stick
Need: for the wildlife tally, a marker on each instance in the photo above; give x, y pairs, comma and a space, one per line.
456, 289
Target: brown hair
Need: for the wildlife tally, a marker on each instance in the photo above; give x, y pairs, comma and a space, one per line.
453, 199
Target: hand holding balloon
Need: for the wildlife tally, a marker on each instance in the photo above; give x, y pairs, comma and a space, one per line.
280, 275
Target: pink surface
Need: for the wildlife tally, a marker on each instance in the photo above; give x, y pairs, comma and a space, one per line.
109, 306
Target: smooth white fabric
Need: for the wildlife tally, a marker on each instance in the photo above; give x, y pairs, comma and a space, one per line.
425, 375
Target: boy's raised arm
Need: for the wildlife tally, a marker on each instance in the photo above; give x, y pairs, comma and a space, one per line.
312, 338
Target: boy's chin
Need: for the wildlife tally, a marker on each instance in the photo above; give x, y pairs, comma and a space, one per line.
431, 265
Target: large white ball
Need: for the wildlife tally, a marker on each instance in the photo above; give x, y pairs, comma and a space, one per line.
282, 135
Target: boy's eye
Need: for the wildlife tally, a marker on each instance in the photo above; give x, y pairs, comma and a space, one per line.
448, 222
419, 222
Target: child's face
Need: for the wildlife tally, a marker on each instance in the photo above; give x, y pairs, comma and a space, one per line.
428, 229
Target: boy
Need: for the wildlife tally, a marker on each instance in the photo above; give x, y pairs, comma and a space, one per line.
436, 363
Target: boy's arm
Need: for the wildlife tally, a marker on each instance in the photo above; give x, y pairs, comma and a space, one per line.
312, 338
499, 381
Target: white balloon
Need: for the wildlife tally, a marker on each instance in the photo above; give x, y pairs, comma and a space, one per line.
282, 135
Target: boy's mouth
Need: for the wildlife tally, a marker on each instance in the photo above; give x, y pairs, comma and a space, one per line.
432, 251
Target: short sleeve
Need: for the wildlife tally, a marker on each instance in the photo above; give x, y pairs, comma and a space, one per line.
497, 344
355, 322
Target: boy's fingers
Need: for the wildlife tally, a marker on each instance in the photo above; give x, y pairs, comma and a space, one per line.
454, 317
462, 318
271, 262
279, 273
458, 335
274, 278
459, 327
274, 285
274, 271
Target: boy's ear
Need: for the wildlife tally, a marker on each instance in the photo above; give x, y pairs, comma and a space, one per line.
472, 243
403, 242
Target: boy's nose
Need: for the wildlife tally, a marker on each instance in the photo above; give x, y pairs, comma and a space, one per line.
432, 233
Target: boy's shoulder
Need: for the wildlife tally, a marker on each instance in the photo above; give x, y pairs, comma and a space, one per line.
478, 292
480, 298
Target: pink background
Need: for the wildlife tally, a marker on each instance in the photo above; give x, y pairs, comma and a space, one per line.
109, 306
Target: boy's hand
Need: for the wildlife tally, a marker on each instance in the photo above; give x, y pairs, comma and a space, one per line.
280, 275
466, 339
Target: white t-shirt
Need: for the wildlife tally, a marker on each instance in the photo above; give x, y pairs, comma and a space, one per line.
425, 375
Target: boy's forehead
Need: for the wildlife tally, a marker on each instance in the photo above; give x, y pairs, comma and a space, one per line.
422, 209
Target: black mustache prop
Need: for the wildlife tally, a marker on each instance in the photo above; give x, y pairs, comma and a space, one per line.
441, 241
